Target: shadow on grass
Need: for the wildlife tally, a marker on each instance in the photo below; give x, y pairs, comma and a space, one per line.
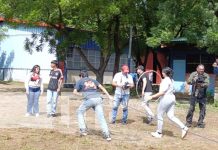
129, 121
168, 133
146, 121
5, 82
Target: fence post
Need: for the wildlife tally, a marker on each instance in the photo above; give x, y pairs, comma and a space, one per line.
3, 74
216, 89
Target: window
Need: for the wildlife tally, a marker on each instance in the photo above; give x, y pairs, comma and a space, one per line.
74, 61
192, 61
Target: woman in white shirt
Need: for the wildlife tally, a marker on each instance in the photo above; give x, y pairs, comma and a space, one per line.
34, 87
166, 104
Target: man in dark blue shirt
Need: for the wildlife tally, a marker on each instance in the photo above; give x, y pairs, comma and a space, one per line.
54, 86
92, 99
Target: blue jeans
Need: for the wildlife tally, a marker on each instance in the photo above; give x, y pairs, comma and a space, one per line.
123, 100
96, 104
52, 98
33, 101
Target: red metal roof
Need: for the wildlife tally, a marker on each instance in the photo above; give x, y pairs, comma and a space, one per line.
40, 23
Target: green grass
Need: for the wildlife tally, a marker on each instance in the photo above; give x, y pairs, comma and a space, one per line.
11, 82
209, 106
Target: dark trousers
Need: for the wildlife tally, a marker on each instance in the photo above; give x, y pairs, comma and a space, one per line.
202, 106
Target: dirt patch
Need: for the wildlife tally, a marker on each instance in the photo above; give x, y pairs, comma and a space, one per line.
61, 133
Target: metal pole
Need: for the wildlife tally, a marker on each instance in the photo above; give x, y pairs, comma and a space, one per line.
3, 74
130, 47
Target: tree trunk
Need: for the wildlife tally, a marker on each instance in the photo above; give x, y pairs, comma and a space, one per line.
145, 57
116, 45
116, 63
103, 64
100, 76
104, 56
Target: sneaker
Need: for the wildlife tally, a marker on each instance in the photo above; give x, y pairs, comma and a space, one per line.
188, 124
107, 137
83, 132
27, 114
37, 114
156, 134
112, 122
184, 132
149, 120
53, 115
201, 125
124, 122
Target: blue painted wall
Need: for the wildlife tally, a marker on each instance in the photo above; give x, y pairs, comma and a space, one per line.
179, 75
179, 68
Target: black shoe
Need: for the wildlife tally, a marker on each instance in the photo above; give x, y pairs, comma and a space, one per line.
149, 120
188, 124
201, 125
124, 122
53, 115
112, 122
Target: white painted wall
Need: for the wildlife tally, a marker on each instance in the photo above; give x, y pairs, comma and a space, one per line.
13, 45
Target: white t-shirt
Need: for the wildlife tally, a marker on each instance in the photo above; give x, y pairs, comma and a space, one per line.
34, 84
121, 79
166, 86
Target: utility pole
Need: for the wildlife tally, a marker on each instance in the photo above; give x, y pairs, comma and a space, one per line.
130, 46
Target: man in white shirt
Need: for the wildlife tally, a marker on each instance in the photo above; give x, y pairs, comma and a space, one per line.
123, 82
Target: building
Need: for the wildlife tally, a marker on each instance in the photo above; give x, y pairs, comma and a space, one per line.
15, 62
183, 58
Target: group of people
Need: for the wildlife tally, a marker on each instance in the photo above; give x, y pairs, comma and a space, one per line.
123, 82
34, 88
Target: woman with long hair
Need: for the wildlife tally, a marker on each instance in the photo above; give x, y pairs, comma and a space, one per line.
167, 103
34, 87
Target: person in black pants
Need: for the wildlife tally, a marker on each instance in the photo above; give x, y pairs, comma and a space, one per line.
146, 90
199, 81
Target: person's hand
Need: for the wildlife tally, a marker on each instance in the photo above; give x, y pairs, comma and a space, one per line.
119, 85
143, 93
58, 90
149, 98
27, 92
41, 92
195, 78
187, 87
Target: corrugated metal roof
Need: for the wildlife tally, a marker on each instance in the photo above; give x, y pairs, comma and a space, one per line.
180, 39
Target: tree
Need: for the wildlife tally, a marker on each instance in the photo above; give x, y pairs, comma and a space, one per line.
107, 22
2, 32
91, 19
194, 20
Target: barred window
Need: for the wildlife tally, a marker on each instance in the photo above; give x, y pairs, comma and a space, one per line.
74, 61
192, 61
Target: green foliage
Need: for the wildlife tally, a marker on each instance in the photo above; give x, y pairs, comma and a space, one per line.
108, 21
215, 103
191, 19
210, 98
2, 32
211, 38
109, 88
